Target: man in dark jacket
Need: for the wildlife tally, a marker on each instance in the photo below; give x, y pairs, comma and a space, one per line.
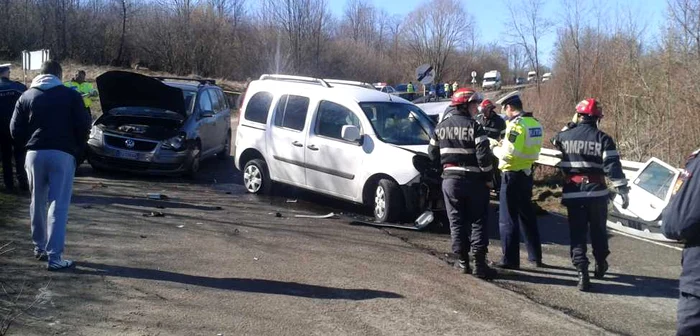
462, 148
495, 128
52, 122
9, 93
588, 156
681, 221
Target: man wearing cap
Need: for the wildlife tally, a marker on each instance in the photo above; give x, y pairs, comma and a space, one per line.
517, 153
588, 155
462, 148
10, 91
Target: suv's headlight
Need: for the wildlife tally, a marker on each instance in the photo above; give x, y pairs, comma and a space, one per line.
175, 143
96, 133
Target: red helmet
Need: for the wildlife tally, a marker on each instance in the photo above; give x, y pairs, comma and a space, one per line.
589, 107
465, 96
487, 104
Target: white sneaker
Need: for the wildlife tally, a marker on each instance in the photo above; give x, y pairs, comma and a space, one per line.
60, 265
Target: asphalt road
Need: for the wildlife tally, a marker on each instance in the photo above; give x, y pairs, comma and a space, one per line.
222, 262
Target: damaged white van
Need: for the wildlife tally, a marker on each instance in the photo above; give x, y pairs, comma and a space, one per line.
338, 139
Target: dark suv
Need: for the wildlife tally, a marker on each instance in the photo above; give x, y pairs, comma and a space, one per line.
159, 125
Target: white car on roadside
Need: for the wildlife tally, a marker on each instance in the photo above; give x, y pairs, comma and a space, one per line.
341, 140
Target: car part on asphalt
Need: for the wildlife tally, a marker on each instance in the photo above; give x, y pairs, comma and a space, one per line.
330, 215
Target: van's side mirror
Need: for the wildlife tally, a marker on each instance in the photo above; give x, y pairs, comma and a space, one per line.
350, 133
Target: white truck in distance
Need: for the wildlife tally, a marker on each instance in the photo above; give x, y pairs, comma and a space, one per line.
531, 76
492, 80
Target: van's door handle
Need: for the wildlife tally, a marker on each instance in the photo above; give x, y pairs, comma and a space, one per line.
297, 144
312, 147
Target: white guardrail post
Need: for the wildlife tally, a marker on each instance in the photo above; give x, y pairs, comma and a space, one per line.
551, 157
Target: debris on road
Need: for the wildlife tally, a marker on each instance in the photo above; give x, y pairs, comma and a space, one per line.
99, 185
278, 215
255, 258
291, 201
154, 214
87, 206
200, 223
386, 225
330, 215
143, 236
156, 196
180, 226
219, 208
235, 232
160, 207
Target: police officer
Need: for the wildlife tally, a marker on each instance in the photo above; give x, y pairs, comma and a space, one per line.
518, 151
10, 91
411, 91
681, 221
447, 88
462, 147
588, 155
495, 128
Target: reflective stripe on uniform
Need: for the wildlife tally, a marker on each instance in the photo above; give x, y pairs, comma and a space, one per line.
466, 169
457, 151
481, 139
579, 164
521, 155
585, 194
618, 182
610, 153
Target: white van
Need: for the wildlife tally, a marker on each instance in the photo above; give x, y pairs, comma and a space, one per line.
340, 140
492, 80
546, 77
531, 76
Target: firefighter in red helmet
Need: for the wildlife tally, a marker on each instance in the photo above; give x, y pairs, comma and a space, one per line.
461, 146
588, 156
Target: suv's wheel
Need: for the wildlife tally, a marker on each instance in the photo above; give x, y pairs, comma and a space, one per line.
226, 151
196, 162
387, 201
256, 178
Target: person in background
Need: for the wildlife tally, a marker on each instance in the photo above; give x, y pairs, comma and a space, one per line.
10, 91
51, 121
85, 89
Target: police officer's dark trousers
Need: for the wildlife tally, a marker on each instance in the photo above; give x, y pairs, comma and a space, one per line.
585, 213
9, 151
516, 214
688, 315
467, 202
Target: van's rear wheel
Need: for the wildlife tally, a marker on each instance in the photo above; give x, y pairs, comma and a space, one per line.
387, 201
256, 177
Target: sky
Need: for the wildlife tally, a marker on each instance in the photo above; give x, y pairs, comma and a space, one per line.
487, 13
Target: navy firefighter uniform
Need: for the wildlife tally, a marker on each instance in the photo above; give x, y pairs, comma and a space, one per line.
588, 156
462, 148
681, 221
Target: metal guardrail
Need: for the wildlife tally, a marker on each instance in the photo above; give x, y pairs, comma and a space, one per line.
551, 157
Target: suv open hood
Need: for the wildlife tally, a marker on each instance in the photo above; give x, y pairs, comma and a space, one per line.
128, 89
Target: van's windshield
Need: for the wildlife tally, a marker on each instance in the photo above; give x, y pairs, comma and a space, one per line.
398, 123
489, 79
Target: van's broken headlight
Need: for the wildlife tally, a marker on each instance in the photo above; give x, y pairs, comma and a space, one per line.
175, 143
96, 133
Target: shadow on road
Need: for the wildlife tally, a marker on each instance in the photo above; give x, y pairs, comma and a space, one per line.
613, 283
237, 284
107, 200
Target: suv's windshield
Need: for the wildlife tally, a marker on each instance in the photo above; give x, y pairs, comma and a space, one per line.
398, 123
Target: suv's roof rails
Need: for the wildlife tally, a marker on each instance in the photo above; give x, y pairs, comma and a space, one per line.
202, 81
300, 79
353, 83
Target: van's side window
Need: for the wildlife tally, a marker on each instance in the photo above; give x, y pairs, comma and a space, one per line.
332, 117
291, 112
258, 107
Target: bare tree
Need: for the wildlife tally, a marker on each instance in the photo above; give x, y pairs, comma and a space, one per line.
434, 32
528, 25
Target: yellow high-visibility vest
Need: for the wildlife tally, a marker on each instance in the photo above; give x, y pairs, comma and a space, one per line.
85, 89
521, 145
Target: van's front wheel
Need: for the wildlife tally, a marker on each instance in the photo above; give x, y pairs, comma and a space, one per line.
387, 201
